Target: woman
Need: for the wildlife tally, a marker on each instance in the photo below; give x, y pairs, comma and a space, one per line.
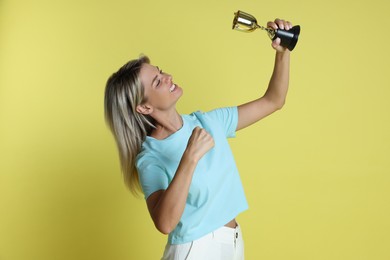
183, 163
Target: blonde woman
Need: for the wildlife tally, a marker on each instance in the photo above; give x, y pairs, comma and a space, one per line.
183, 163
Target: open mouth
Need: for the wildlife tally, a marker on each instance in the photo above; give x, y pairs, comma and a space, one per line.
172, 88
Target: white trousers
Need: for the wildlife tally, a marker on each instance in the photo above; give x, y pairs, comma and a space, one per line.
224, 243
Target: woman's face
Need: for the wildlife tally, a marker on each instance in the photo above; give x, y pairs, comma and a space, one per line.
160, 91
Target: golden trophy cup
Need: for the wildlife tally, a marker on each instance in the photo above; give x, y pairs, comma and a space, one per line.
245, 22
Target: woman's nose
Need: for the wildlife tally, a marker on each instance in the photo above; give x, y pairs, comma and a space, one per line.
168, 78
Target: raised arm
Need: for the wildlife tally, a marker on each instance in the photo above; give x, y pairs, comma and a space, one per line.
276, 93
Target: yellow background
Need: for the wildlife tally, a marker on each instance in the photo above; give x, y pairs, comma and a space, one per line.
316, 174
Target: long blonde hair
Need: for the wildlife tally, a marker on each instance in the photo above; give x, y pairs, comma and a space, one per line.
124, 92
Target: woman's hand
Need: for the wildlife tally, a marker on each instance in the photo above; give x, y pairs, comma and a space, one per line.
279, 24
199, 143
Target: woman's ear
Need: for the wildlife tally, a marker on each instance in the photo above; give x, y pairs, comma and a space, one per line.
144, 109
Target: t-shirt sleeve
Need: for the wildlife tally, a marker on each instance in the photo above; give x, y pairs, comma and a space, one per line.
152, 177
227, 117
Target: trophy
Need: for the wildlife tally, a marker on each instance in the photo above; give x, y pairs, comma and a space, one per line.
245, 22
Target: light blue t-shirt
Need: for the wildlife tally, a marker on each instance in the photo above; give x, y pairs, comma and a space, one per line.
216, 195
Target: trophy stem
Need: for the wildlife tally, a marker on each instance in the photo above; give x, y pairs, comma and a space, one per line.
261, 27
270, 32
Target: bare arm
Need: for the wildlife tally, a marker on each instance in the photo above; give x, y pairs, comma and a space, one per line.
276, 93
167, 206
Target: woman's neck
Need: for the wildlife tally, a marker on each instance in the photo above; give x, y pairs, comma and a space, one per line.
166, 124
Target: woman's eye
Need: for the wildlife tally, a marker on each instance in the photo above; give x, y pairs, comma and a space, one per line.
158, 81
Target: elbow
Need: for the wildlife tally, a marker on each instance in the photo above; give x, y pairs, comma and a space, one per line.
164, 228
278, 105
164, 221
274, 102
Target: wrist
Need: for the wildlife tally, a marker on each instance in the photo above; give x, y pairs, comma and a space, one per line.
190, 158
284, 52
282, 56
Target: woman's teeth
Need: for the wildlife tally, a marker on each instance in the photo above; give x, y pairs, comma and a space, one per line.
172, 88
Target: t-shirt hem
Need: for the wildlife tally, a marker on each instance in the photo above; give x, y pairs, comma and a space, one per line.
177, 241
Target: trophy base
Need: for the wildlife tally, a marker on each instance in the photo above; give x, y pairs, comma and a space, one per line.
288, 38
